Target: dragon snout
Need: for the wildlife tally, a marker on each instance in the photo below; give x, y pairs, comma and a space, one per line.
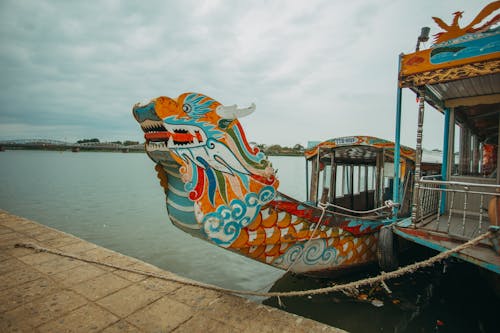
160, 135
145, 112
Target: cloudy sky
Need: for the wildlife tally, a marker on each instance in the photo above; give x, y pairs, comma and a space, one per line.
315, 69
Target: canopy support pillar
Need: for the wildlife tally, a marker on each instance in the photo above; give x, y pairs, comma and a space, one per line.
418, 154
397, 146
444, 158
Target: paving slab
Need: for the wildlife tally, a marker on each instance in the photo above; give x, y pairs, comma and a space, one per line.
125, 301
122, 327
199, 323
43, 292
101, 286
4, 230
78, 247
27, 292
19, 276
165, 314
47, 308
10, 265
79, 274
88, 318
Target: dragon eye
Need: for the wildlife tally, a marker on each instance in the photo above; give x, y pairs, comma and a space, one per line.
187, 108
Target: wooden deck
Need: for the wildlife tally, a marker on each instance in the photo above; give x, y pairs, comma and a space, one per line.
457, 225
450, 231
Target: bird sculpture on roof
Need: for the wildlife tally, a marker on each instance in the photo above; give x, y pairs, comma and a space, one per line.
454, 30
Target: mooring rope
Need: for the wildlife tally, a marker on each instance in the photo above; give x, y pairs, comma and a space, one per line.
339, 287
387, 204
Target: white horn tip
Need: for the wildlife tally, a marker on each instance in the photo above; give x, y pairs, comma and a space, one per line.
232, 111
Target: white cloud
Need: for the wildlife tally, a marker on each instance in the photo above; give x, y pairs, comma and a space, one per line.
316, 69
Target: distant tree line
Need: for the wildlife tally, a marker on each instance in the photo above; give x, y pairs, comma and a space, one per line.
95, 140
276, 149
126, 143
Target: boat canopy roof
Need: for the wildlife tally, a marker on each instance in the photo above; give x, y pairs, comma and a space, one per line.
461, 70
358, 149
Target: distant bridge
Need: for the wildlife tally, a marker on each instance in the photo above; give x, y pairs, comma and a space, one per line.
33, 141
48, 144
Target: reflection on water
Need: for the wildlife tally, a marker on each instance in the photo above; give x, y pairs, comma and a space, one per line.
114, 200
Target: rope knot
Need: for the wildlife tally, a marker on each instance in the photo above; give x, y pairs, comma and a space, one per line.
391, 204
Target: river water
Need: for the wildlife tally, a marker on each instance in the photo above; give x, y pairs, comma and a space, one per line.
114, 200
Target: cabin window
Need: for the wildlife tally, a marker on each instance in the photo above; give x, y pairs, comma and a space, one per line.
325, 176
371, 178
355, 176
339, 181
362, 178
346, 181
312, 180
321, 177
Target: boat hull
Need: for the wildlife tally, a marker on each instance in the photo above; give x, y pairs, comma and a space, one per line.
300, 241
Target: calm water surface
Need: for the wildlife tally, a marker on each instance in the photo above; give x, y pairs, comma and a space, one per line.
114, 200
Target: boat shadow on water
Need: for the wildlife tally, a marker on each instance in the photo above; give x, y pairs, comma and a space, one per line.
449, 297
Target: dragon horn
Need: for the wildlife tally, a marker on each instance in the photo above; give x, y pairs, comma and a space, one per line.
232, 111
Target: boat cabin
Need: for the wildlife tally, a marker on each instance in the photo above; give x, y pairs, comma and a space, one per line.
458, 76
355, 174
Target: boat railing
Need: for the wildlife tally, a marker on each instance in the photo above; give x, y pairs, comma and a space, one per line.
428, 200
458, 209
333, 211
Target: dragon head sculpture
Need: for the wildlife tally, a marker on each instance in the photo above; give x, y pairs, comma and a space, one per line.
214, 181
220, 189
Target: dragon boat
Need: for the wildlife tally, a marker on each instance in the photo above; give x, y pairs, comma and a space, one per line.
221, 189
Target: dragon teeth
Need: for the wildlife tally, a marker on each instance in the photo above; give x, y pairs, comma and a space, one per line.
149, 124
152, 146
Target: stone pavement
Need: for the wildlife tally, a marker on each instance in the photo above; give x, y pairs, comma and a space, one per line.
42, 292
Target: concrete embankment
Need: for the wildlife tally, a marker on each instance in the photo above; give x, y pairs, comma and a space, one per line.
43, 292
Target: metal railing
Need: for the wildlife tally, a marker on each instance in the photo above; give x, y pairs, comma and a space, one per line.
429, 199
459, 209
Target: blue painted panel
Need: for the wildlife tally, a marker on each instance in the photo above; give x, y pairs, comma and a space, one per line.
466, 49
